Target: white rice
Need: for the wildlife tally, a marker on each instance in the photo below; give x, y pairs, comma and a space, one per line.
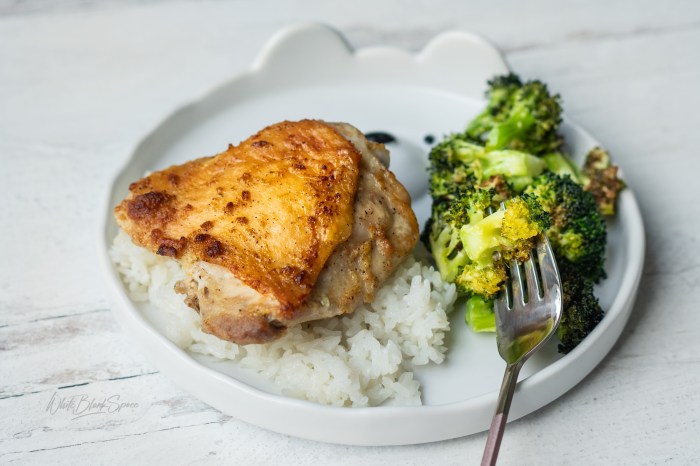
362, 359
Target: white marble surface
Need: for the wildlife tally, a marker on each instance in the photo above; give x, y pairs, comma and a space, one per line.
81, 81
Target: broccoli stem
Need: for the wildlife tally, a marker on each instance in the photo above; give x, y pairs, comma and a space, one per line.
479, 314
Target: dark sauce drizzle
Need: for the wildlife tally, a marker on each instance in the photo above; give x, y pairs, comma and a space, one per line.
381, 137
387, 138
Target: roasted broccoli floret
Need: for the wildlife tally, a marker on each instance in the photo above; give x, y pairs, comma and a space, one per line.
598, 176
452, 167
499, 93
446, 222
519, 116
601, 180
464, 237
456, 162
577, 231
483, 278
581, 310
512, 231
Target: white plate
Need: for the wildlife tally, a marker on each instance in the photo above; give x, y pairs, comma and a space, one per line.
309, 71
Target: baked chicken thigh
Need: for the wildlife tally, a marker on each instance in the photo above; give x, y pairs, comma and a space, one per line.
301, 221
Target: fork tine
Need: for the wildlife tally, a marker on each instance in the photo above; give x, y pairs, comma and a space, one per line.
516, 279
500, 306
549, 273
533, 287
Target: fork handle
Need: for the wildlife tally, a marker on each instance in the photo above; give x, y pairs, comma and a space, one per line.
498, 424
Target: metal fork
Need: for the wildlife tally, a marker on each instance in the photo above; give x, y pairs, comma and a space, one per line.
526, 317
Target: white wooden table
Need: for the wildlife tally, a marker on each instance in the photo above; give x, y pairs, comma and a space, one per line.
81, 81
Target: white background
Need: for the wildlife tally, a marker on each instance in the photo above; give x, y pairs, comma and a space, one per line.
81, 81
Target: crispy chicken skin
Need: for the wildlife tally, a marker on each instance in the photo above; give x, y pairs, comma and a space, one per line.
299, 222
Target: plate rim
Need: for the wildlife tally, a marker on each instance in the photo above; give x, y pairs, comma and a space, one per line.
174, 362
